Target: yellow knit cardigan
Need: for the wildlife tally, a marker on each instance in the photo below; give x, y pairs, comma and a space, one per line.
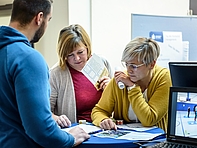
153, 112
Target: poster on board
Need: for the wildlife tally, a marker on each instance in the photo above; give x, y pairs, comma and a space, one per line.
172, 48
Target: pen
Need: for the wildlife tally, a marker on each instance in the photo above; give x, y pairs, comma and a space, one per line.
94, 132
98, 84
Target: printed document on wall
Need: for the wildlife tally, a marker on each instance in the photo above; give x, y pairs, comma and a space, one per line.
185, 50
171, 47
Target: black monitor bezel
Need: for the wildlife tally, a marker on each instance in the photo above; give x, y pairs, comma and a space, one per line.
185, 77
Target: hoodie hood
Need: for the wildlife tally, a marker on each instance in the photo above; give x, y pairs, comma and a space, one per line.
10, 35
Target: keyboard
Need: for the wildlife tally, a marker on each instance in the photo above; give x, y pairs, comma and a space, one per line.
171, 145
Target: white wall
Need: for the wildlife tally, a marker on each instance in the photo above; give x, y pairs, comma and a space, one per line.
4, 20
108, 22
80, 13
111, 22
48, 43
65, 12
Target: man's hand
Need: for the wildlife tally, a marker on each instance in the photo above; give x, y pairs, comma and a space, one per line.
79, 134
63, 121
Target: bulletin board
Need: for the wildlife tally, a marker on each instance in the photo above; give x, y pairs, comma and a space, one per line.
141, 25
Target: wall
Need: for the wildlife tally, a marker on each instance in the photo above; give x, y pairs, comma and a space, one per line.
108, 22
47, 44
111, 22
65, 12
4, 20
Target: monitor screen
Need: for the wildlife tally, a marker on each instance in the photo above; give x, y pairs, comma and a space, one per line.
182, 124
183, 74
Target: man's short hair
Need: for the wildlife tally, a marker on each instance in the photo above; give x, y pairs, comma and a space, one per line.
24, 11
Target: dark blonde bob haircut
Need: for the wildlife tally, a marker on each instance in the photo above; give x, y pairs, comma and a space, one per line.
69, 38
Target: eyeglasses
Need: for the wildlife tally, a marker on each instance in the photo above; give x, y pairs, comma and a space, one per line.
133, 66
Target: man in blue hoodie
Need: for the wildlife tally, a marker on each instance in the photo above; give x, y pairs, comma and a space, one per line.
25, 116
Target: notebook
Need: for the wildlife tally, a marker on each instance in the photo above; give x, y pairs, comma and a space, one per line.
182, 120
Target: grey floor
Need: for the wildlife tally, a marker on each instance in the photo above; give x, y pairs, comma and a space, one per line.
186, 126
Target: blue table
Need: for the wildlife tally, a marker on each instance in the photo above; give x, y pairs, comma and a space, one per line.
97, 142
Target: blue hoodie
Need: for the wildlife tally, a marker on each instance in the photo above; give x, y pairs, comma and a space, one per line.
25, 116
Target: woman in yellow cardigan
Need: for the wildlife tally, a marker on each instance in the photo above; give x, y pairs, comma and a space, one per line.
145, 96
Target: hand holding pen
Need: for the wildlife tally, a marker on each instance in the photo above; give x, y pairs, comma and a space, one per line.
103, 82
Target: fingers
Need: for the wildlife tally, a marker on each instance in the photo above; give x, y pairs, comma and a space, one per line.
103, 82
121, 76
79, 134
108, 124
63, 121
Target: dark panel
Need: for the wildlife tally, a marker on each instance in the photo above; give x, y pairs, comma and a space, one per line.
6, 7
193, 6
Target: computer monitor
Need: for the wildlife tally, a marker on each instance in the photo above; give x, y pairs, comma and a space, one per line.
183, 74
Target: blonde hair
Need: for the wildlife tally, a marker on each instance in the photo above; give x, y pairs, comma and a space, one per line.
69, 38
146, 50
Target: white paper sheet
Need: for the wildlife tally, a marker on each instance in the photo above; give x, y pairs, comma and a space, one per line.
95, 69
139, 136
119, 134
127, 135
135, 126
87, 128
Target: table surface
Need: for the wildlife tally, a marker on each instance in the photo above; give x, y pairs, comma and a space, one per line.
97, 142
